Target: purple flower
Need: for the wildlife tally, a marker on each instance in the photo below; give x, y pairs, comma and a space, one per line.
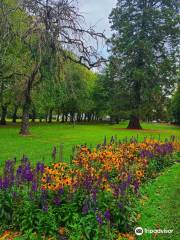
107, 215
123, 187
61, 191
24, 172
129, 180
106, 175
40, 167
34, 186
85, 209
9, 172
115, 188
45, 208
5, 183
94, 194
48, 179
9, 165
44, 195
19, 170
88, 181
57, 201
99, 219
24, 160
28, 175
120, 205
146, 153
136, 186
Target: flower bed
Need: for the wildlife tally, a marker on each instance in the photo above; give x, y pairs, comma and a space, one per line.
91, 198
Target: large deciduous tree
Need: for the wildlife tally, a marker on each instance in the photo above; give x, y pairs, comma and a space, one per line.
44, 31
144, 50
6, 61
59, 27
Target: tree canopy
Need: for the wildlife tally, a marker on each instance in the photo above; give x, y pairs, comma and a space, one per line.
144, 49
46, 56
37, 39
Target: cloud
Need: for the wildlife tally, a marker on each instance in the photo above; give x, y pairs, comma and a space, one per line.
96, 12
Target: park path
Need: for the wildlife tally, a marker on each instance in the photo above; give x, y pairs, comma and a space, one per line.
159, 207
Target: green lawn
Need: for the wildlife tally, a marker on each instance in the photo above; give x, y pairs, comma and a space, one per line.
161, 208
44, 136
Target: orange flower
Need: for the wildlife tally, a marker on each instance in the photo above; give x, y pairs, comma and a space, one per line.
62, 231
139, 174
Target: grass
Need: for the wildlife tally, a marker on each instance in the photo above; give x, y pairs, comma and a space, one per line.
39, 145
160, 205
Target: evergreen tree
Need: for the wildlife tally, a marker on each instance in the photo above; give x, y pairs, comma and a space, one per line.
144, 50
175, 106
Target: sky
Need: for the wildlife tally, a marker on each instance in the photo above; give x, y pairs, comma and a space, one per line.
96, 12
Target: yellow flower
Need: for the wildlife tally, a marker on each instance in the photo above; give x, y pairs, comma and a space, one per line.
62, 231
139, 174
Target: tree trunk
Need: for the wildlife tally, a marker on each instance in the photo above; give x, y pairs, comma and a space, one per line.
79, 117
93, 116
66, 117
50, 115
33, 115
58, 115
46, 117
89, 117
134, 123
27, 101
71, 117
14, 117
3, 114
26, 107
117, 120
85, 117
25, 117
62, 118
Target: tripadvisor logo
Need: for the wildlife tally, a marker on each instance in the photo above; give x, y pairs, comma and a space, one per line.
139, 231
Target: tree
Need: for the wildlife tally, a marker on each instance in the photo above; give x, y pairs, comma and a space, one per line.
6, 60
144, 49
175, 106
100, 96
58, 27
42, 33
78, 87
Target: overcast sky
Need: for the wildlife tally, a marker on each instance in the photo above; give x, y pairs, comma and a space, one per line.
96, 12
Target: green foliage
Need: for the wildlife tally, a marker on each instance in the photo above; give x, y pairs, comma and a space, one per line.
157, 165
78, 85
175, 106
33, 63
141, 60
6, 212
